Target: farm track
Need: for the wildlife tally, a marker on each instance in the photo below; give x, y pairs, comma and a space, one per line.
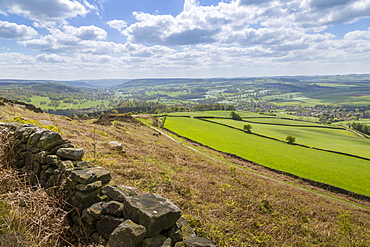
323, 195
358, 133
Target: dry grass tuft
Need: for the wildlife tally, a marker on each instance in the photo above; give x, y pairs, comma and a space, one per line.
6, 148
29, 217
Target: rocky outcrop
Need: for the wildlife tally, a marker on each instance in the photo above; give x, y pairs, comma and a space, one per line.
112, 215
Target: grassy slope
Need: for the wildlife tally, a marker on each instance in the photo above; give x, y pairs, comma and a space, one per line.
218, 114
320, 166
273, 120
232, 207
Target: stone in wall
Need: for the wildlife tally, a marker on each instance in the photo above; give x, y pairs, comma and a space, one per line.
127, 234
71, 153
152, 211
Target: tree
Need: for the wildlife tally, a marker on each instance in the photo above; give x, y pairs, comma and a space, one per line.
235, 116
290, 139
247, 128
361, 127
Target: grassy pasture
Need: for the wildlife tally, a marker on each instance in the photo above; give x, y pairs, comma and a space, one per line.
303, 118
339, 140
337, 95
345, 123
342, 96
243, 114
301, 102
338, 170
274, 120
255, 117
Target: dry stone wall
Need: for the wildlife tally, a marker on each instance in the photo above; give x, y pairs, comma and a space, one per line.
112, 215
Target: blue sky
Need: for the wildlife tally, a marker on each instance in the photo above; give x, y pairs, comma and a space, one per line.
103, 39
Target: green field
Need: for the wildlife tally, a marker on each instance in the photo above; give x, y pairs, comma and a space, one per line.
345, 123
273, 120
335, 169
302, 118
339, 140
243, 114
340, 96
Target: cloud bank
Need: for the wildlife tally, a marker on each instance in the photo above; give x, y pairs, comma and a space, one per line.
237, 36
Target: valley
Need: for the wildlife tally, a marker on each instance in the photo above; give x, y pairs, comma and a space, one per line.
302, 96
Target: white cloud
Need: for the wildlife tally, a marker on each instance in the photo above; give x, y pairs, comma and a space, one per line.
67, 41
90, 6
52, 58
236, 35
357, 34
89, 40
196, 24
14, 31
46, 12
117, 24
11, 58
86, 32
243, 21
316, 13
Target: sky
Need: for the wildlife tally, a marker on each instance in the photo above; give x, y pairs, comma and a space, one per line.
127, 39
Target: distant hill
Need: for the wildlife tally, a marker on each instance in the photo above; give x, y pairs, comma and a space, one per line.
103, 83
158, 81
76, 84
6, 82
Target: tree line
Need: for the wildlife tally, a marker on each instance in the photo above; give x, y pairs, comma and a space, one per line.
364, 128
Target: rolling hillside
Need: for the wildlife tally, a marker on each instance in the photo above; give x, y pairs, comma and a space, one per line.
231, 202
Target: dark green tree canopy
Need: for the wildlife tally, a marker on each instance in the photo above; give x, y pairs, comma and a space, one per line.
235, 116
247, 128
290, 139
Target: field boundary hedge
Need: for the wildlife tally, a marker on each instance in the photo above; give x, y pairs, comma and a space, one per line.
318, 184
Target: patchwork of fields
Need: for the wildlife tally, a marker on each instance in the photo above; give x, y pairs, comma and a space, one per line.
339, 140
346, 172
